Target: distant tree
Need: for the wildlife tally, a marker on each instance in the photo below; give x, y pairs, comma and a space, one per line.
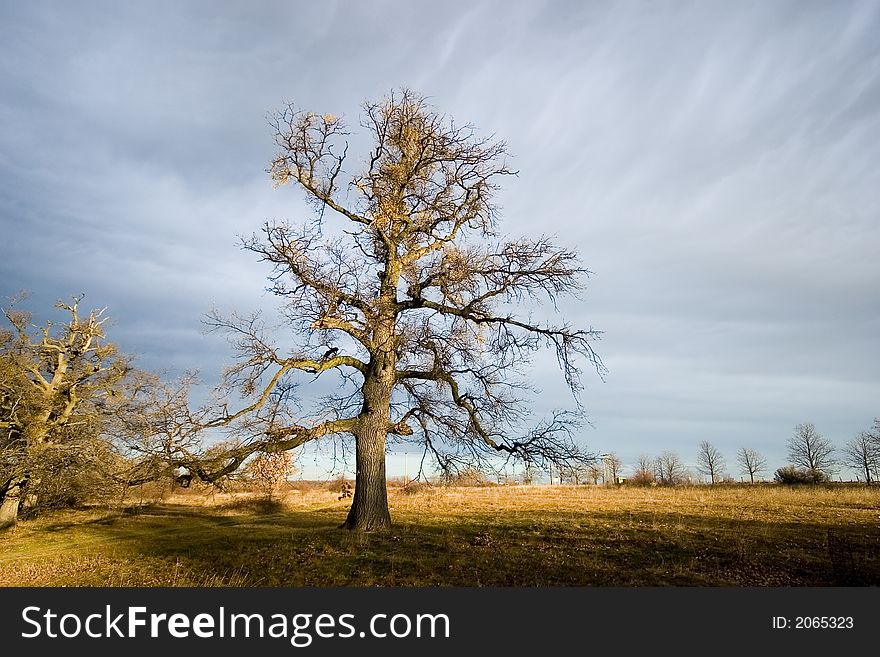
644, 471
595, 472
874, 438
158, 427
670, 469
58, 386
710, 461
808, 449
418, 296
862, 453
751, 462
575, 473
644, 463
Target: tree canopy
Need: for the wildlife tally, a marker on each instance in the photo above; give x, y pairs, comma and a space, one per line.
58, 385
417, 297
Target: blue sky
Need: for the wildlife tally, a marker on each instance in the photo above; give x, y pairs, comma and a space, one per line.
716, 164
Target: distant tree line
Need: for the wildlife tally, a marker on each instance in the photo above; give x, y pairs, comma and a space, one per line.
812, 459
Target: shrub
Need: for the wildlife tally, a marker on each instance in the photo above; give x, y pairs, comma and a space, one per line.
417, 488
641, 478
312, 486
468, 476
257, 506
59, 482
791, 474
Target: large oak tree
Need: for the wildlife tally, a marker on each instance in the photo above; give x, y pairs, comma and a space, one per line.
403, 287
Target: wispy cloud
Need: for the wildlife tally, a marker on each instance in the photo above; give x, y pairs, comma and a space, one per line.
715, 163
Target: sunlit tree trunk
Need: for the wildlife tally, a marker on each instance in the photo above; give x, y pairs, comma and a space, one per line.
12, 498
369, 507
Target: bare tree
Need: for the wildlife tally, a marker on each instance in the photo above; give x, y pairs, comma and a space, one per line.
529, 474
670, 469
56, 386
411, 303
595, 473
645, 470
808, 449
863, 454
162, 432
873, 435
575, 473
710, 461
751, 462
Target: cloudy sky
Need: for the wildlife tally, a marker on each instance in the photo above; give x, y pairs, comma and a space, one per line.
716, 164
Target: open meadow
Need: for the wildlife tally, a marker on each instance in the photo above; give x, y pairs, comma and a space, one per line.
524, 536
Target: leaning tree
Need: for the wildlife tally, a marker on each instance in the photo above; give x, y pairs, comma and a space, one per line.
57, 388
412, 299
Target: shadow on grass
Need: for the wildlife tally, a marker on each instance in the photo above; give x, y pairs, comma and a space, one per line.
273, 546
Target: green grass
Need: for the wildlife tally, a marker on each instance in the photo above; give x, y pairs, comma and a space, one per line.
492, 536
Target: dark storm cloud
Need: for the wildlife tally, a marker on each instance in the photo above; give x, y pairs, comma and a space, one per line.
715, 164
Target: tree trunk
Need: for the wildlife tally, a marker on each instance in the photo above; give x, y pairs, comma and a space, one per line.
10, 505
369, 506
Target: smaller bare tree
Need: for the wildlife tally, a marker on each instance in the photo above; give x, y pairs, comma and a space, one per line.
862, 453
710, 461
808, 449
644, 471
751, 462
670, 469
574, 473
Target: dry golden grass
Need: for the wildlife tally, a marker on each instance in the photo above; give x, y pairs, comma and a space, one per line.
762, 535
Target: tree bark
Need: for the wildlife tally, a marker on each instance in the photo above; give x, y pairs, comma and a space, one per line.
369, 506
10, 505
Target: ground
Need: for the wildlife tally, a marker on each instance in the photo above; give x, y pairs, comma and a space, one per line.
763, 535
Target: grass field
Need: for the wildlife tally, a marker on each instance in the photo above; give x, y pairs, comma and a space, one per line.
764, 535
